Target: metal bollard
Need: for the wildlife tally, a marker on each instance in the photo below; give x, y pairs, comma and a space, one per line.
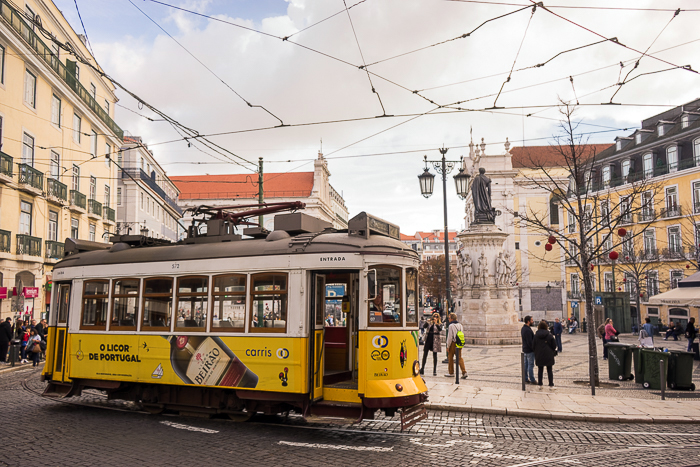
458, 354
662, 380
522, 368
14, 350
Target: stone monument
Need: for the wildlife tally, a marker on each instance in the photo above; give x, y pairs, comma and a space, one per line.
486, 299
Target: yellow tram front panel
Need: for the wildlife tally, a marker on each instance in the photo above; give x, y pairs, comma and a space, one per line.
267, 364
388, 358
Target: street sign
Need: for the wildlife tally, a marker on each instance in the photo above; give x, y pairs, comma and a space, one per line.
574, 304
598, 300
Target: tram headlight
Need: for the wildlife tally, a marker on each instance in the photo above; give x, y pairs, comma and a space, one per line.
416, 367
399, 387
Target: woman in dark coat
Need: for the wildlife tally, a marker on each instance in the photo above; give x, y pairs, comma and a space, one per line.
545, 349
432, 342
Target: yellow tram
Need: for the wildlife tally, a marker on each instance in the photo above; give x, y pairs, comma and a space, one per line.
304, 318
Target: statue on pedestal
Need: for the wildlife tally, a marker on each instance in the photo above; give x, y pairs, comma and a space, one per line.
500, 269
466, 270
482, 270
481, 196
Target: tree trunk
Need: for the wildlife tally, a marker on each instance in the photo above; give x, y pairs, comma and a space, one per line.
592, 348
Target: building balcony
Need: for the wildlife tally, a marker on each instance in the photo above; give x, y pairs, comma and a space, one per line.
5, 168
646, 215
674, 253
649, 254
28, 245
672, 211
53, 250
94, 209
16, 21
108, 214
573, 295
626, 219
31, 180
77, 202
56, 191
5, 241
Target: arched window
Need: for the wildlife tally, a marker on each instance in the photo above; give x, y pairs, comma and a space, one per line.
672, 158
648, 160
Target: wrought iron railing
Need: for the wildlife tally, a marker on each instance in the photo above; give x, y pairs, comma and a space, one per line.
5, 164
77, 199
28, 175
573, 295
94, 207
108, 213
56, 189
5, 241
16, 20
28, 245
646, 215
54, 250
671, 211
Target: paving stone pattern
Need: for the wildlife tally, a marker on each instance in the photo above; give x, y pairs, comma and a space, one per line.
87, 436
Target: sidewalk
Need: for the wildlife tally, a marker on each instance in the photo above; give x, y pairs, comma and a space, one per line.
494, 387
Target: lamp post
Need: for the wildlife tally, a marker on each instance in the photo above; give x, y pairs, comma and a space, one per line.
426, 179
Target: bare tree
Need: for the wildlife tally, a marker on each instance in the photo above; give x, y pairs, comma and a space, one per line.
595, 208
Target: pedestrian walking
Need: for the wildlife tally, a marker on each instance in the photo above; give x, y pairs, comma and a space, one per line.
610, 336
5, 338
34, 346
690, 333
601, 333
22, 335
545, 349
433, 342
451, 343
648, 328
527, 337
557, 330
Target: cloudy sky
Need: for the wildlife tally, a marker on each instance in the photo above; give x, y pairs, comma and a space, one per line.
202, 62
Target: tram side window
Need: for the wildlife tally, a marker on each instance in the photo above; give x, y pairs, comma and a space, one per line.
228, 296
269, 303
63, 303
125, 304
411, 296
157, 303
95, 295
385, 306
192, 303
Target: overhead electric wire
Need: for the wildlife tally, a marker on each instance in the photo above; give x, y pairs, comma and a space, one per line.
321, 21
205, 66
581, 7
87, 39
362, 56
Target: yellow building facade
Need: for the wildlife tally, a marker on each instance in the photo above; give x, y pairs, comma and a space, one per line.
660, 164
56, 135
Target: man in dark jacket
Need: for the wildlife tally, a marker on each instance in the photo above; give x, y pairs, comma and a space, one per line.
545, 350
5, 338
557, 329
527, 336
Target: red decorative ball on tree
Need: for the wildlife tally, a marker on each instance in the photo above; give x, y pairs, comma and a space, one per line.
548, 246
619, 289
641, 295
624, 279
552, 240
622, 232
687, 266
613, 255
592, 268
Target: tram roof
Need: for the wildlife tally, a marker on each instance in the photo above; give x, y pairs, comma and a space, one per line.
332, 242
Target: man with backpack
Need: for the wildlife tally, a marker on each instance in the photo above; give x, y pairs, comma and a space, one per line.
455, 340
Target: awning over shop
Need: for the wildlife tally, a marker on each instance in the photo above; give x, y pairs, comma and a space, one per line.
688, 296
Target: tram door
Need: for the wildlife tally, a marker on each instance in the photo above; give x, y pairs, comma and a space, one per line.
318, 335
60, 340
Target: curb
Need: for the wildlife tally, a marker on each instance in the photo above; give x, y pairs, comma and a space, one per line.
579, 417
23, 366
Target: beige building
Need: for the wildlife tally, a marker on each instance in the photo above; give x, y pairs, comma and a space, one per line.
312, 188
56, 131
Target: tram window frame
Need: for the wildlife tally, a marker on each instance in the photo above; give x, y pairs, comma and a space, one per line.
193, 296
62, 312
115, 296
380, 285
144, 296
105, 303
216, 297
281, 293
415, 296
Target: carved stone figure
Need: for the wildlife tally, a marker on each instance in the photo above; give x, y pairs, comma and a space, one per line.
508, 268
500, 269
482, 271
481, 196
468, 271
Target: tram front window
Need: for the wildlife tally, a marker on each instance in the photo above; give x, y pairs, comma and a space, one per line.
157, 303
385, 306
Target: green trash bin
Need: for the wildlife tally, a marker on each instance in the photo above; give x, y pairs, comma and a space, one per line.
653, 378
619, 361
638, 369
680, 370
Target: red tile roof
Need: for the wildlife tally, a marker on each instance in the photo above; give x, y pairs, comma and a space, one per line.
284, 185
431, 237
547, 156
405, 238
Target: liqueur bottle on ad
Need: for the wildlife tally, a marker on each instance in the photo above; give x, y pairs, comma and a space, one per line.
207, 361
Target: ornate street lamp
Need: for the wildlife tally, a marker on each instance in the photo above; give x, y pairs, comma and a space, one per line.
462, 184
426, 180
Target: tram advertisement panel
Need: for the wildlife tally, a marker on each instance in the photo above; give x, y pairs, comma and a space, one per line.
270, 364
391, 353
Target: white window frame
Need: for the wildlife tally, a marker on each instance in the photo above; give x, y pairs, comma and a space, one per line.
672, 151
2, 65
28, 149
119, 196
92, 231
93, 142
626, 165
648, 169
660, 129
93, 91
676, 245
93, 187
30, 88
638, 138
77, 124
52, 226
675, 275
108, 195
685, 121
108, 154
696, 150
74, 227
56, 110
54, 164
75, 178
25, 217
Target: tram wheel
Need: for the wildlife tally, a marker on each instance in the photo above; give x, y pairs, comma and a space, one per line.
153, 409
240, 417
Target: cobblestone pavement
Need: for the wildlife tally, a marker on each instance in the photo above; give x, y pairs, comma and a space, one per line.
499, 367
38, 431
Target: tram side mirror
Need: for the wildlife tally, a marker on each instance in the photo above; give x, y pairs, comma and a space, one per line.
372, 283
